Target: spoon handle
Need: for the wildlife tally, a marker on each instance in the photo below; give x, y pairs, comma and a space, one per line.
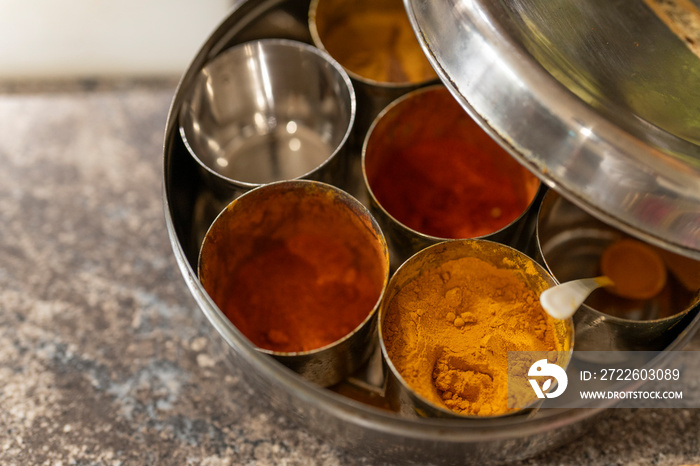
562, 301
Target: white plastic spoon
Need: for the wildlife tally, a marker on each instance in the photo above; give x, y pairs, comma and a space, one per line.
562, 301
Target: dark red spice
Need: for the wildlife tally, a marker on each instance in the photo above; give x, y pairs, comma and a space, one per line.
436, 171
293, 271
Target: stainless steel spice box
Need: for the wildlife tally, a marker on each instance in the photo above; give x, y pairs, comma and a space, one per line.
191, 206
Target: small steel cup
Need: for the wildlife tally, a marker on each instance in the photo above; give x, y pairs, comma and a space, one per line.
570, 243
424, 117
265, 111
375, 43
289, 213
400, 394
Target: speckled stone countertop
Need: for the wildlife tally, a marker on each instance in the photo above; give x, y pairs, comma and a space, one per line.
101, 358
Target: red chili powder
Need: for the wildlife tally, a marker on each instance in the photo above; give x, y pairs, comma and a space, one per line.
436, 171
293, 273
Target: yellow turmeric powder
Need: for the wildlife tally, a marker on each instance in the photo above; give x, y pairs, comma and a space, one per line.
373, 39
448, 332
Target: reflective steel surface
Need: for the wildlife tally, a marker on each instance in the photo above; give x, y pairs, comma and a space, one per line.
269, 110
599, 98
348, 424
570, 243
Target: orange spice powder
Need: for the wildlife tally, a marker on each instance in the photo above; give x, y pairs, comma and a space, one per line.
449, 330
432, 168
294, 272
373, 39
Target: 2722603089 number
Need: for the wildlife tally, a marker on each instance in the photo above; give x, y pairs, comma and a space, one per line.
639, 374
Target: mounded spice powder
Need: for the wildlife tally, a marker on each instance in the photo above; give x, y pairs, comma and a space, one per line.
448, 333
294, 270
300, 293
373, 39
432, 168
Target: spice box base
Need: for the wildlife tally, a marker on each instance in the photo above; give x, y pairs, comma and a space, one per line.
351, 415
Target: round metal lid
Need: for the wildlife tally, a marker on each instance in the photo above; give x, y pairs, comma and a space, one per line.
599, 98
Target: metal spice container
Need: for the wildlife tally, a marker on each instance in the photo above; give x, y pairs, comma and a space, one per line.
452, 315
485, 53
433, 174
300, 268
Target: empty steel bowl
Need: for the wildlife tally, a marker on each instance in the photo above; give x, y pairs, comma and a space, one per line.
268, 110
